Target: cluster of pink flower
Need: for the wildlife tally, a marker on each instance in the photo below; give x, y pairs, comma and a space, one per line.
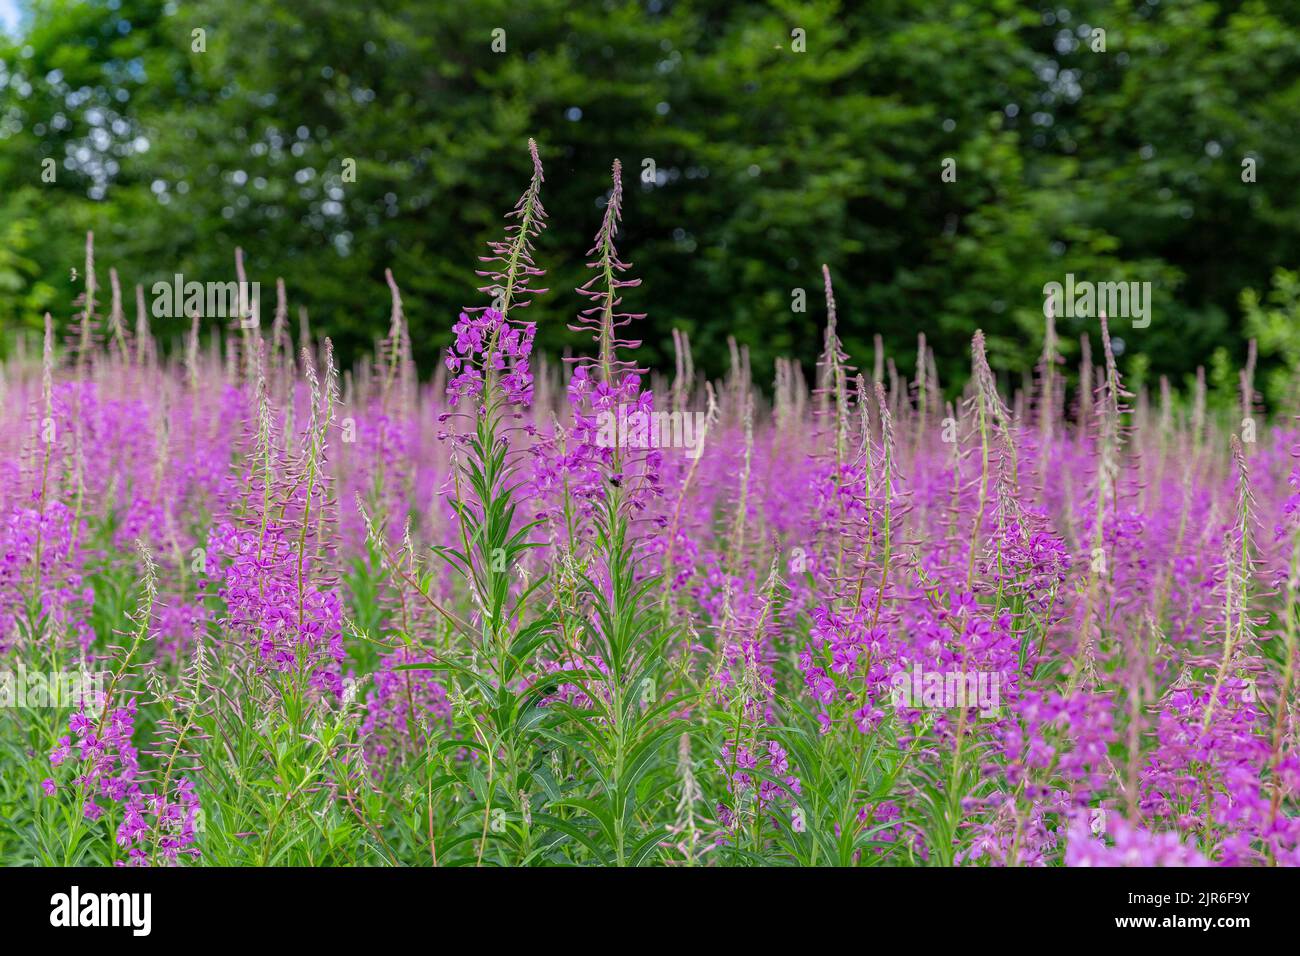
1021, 632
154, 827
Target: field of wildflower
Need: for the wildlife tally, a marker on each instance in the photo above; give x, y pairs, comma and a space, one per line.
525, 610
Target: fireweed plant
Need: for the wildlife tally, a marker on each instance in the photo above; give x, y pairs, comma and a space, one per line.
350, 617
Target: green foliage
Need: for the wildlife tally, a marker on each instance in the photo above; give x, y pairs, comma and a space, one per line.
1275, 323
767, 161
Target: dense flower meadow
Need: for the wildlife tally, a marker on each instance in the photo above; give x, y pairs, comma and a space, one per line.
539, 613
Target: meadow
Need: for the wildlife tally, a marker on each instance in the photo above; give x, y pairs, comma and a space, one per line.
259, 610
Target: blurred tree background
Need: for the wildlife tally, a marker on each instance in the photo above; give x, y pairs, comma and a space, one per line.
759, 141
